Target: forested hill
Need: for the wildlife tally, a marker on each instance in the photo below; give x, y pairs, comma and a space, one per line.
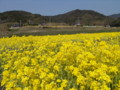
115, 15
85, 17
17, 16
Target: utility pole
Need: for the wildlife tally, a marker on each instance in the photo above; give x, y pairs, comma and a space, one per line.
20, 23
107, 21
78, 21
50, 20
29, 21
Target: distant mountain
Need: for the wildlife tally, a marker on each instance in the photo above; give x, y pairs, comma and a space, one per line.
23, 16
87, 17
115, 15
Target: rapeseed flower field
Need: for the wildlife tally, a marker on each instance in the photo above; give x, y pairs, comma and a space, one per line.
61, 62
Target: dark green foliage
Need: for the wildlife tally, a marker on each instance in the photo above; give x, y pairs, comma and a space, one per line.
115, 23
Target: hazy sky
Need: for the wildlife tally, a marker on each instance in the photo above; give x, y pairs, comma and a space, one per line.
54, 7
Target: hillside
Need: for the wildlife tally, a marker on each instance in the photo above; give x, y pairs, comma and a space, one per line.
116, 22
87, 17
23, 16
115, 15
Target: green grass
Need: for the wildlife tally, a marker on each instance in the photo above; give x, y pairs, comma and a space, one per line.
57, 30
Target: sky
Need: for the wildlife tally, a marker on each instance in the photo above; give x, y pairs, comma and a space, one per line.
54, 7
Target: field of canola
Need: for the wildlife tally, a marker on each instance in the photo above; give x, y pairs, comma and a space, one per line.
61, 62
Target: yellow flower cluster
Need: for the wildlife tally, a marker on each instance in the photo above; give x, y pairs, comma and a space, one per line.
61, 62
